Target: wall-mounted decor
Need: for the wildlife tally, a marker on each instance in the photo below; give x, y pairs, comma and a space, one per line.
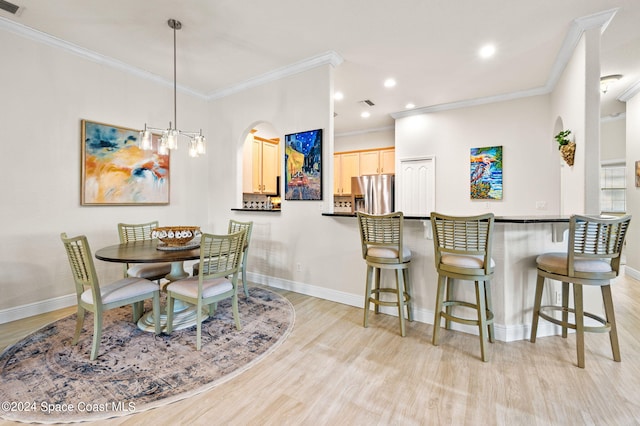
303, 165
566, 146
115, 171
486, 173
637, 174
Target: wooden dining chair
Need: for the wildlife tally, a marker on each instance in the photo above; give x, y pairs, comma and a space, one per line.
220, 257
138, 232
235, 226
95, 298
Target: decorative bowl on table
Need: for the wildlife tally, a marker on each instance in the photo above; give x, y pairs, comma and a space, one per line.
175, 236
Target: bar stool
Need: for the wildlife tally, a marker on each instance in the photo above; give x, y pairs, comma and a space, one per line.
382, 248
462, 249
592, 258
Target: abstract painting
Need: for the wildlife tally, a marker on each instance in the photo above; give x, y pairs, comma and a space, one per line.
116, 172
303, 165
486, 173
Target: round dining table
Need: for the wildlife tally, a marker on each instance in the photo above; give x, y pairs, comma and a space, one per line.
153, 251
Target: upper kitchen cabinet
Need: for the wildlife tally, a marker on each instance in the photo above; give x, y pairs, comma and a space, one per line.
345, 166
377, 161
265, 165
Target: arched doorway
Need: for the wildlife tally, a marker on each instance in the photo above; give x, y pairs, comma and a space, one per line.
261, 157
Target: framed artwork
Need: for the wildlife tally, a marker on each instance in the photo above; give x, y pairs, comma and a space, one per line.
637, 174
115, 172
485, 176
303, 165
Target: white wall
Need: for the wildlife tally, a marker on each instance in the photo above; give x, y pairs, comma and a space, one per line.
576, 101
46, 91
613, 140
299, 234
632, 249
378, 138
530, 162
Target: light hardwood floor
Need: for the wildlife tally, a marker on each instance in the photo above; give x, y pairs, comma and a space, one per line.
331, 371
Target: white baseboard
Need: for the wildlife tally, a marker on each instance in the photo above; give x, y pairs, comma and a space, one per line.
632, 272
503, 333
31, 309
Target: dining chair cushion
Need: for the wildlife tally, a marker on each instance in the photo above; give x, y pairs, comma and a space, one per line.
147, 270
189, 287
557, 263
121, 290
464, 260
388, 252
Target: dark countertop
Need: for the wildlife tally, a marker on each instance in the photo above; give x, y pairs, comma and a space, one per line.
499, 219
257, 210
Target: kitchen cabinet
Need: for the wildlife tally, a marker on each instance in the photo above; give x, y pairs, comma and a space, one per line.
265, 166
388, 161
345, 166
378, 161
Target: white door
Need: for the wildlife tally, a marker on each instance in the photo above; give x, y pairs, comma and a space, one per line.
416, 186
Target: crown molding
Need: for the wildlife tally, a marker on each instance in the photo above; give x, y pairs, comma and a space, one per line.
328, 58
49, 40
365, 131
576, 30
633, 90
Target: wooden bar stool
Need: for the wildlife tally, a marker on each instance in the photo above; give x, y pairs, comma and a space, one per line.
592, 258
462, 250
382, 248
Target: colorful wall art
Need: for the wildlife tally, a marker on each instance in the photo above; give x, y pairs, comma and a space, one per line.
303, 165
116, 172
486, 173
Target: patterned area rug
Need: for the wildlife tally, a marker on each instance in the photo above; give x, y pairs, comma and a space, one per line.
45, 379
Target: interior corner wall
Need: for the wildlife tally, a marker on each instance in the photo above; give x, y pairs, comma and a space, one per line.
576, 100
297, 247
632, 249
519, 126
46, 91
568, 103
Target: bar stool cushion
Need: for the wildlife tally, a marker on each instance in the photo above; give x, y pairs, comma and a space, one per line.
465, 260
557, 263
388, 252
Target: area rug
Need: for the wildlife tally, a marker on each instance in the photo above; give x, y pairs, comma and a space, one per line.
45, 379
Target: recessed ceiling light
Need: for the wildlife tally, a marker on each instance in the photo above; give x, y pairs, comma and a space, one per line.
338, 96
410, 105
487, 51
365, 114
389, 82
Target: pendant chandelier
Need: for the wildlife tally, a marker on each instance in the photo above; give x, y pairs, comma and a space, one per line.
169, 139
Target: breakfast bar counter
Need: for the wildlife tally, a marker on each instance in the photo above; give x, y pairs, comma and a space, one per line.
517, 241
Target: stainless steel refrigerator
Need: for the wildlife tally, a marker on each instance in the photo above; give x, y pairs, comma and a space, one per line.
373, 194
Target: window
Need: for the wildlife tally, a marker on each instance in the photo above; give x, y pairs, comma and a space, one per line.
613, 188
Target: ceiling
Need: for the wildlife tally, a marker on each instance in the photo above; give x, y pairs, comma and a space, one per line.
428, 46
